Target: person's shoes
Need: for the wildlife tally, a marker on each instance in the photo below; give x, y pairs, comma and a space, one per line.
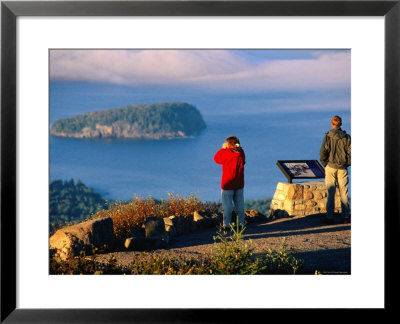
327, 220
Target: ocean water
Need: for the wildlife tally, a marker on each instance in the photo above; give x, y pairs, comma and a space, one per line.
122, 169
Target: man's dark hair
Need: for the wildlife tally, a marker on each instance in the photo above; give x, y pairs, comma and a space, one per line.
336, 121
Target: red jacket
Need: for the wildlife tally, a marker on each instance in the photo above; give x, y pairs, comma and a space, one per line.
232, 161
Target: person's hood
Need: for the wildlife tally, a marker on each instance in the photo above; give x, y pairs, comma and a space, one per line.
337, 133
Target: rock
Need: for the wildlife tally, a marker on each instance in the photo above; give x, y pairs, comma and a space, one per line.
141, 243
308, 195
288, 205
278, 213
295, 192
133, 243
214, 219
182, 224
170, 229
171, 224
200, 219
137, 239
311, 203
118, 245
154, 226
253, 215
199, 215
169, 221
138, 232
299, 207
153, 243
318, 196
71, 240
206, 219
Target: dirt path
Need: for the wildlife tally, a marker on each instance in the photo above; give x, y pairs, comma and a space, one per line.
325, 248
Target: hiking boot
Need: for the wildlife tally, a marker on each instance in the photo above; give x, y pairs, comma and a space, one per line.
327, 220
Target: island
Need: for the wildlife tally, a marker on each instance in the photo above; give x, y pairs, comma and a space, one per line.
149, 121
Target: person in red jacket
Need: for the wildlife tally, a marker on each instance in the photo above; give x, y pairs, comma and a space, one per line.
232, 158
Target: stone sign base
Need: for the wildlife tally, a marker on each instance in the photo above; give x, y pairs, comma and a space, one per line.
301, 199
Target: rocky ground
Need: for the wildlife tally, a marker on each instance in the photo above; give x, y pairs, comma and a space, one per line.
323, 248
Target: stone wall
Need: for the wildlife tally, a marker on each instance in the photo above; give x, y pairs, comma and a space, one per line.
301, 199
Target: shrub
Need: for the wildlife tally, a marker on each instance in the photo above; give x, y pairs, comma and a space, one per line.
84, 265
127, 216
282, 261
232, 255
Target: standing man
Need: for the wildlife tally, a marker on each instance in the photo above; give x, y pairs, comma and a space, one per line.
232, 158
335, 156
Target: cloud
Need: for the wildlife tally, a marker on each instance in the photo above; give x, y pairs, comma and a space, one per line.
220, 70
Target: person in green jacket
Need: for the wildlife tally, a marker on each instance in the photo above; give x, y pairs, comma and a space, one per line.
335, 156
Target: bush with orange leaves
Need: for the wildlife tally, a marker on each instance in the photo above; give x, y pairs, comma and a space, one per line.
133, 214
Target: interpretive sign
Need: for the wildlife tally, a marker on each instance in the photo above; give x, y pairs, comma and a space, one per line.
301, 169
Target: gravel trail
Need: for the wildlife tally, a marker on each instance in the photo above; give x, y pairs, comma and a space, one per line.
323, 248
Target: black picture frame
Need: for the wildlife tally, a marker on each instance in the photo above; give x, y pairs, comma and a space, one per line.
10, 10
289, 176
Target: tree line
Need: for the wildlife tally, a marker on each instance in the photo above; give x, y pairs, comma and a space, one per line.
71, 202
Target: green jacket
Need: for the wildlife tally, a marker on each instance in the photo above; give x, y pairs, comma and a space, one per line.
336, 149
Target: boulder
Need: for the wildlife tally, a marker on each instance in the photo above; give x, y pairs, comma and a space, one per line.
202, 219
253, 215
71, 240
154, 226
137, 243
138, 232
199, 216
169, 226
151, 236
182, 224
141, 243
278, 213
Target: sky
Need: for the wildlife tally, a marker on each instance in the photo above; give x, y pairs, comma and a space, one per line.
224, 71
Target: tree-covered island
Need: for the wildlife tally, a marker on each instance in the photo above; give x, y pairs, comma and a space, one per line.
152, 121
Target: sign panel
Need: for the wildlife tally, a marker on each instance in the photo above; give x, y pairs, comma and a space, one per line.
301, 169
